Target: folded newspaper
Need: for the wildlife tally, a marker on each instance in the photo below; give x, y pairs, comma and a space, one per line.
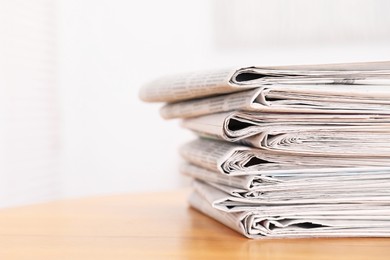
250, 185
208, 83
363, 99
320, 134
340, 217
233, 159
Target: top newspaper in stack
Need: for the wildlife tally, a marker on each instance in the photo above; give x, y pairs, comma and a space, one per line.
310, 77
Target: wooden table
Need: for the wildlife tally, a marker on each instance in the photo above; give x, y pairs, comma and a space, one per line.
152, 226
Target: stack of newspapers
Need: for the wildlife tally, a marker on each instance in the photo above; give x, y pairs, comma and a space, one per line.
294, 151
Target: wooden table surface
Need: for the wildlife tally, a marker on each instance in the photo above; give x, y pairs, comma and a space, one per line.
152, 226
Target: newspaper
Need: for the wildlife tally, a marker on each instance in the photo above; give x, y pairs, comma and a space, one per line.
202, 84
251, 185
303, 134
233, 159
329, 220
344, 99
355, 196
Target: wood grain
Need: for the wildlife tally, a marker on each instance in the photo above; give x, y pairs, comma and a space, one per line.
152, 226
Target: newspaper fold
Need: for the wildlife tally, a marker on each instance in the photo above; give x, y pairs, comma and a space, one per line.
235, 159
332, 179
344, 99
310, 134
327, 221
293, 199
201, 84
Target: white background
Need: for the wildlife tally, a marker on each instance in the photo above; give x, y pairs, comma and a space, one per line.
107, 141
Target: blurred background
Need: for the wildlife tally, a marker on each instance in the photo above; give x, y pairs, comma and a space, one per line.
71, 123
